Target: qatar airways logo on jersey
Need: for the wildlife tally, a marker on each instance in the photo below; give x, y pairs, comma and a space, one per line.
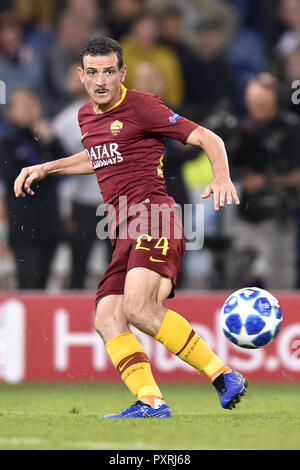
104, 155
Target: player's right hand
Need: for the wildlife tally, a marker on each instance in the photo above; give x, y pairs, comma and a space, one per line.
28, 176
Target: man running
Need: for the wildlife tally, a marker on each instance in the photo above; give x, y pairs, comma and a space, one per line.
122, 133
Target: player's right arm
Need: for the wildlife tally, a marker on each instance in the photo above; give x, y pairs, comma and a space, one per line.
78, 164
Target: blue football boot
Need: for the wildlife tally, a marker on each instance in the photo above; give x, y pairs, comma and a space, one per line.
230, 387
142, 410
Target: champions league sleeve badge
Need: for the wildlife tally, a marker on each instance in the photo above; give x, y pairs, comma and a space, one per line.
173, 118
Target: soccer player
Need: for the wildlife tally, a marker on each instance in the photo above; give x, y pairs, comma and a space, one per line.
122, 133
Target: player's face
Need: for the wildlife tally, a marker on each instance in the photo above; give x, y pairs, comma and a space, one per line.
102, 79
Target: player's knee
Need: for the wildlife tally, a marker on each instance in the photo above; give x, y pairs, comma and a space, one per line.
142, 313
108, 324
135, 309
102, 322
109, 320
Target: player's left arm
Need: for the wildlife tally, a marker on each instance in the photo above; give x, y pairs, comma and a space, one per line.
221, 187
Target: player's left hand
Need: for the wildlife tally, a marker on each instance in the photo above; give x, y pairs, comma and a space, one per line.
223, 191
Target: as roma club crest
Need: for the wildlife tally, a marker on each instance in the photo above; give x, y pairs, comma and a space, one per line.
116, 127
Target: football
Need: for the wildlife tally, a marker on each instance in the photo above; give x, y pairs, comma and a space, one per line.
251, 317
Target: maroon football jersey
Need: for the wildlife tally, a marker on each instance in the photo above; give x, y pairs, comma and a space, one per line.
125, 145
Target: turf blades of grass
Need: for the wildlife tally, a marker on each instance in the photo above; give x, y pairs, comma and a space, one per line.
68, 416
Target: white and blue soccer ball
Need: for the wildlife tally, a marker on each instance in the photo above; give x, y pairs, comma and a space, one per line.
251, 317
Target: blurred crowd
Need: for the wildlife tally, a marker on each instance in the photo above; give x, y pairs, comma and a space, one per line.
230, 65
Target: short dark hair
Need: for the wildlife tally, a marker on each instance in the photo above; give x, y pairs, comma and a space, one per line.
102, 46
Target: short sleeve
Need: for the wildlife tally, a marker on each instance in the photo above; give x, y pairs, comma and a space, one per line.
155, 117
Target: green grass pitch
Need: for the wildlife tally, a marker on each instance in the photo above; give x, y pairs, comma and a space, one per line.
68, 416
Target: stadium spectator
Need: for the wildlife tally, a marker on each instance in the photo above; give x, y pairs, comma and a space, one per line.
37, 19
142, 45
34, 12
284, 57
289, 73
80, 193
268, 155
247, 52
254, 15
91, 13
202, 10
173, 35
208, 90
19, 62
290, 39
72, 32
222, 12
121, 14
172, 27
34, 229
